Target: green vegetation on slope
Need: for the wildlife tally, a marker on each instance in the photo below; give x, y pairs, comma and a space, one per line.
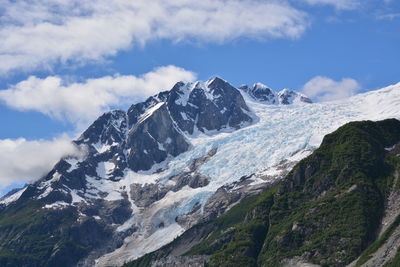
245, 232
25, 237
329, 207
31, 235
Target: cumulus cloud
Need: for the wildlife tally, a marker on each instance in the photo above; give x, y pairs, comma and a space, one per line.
325, 89
39, 33
338, 4
80, 103
23, 161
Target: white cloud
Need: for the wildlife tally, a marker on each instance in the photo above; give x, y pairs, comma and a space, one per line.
80, 103
325, 89
23, 161
39, 33
338, 4
390, 16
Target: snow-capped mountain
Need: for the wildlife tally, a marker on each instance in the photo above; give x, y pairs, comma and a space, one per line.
266, 95
181, 157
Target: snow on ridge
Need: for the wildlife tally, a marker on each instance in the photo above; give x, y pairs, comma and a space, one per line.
261, 85
46, 185
150, 112
211, 80
14, 197
186, 89
382, 103
294, 97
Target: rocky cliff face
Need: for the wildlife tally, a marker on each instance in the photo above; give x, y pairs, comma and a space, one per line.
154, 138
209, 106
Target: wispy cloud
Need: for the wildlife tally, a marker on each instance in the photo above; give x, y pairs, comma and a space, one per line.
338, 4
389, 16
322, 88
39, 33
79, 103
23, 161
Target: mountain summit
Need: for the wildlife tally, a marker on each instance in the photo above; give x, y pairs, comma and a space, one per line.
266, 95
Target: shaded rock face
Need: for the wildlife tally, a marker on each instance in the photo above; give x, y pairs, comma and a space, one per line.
152, 140
207, 106
261, 93
109, 128
135, 111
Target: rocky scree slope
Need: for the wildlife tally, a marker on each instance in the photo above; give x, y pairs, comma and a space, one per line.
327, 211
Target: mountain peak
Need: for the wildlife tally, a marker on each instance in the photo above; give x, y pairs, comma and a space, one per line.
266, 95
260, 86
288, 96
216, 79
207, 106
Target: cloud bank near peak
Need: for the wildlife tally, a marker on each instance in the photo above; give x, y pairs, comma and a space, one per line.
23, 161
80, 103
322, 88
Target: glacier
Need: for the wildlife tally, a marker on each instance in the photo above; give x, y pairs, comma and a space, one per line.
282, 132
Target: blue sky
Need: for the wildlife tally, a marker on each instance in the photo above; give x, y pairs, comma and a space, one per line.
65, 62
